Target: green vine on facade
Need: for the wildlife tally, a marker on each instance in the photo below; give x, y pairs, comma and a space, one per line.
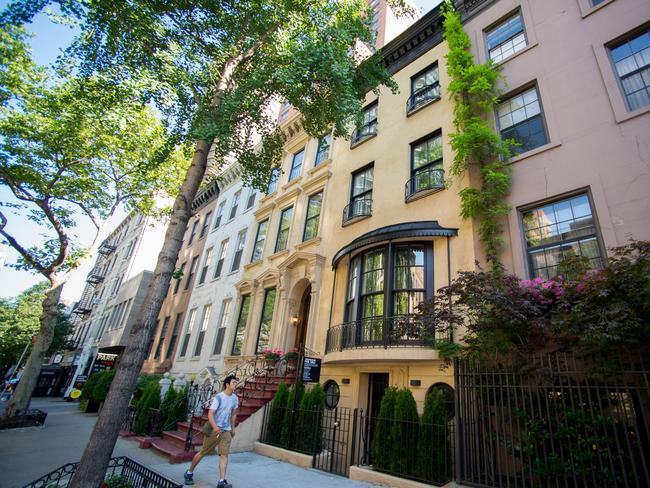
474, 90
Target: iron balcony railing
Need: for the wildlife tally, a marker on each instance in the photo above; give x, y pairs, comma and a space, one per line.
424, 95
424, 183
106, 249
364, 132
395, 331
357, 210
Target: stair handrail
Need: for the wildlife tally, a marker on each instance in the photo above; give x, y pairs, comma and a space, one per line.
249, 371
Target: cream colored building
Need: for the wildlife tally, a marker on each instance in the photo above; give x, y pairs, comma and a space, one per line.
208, 325
284, 254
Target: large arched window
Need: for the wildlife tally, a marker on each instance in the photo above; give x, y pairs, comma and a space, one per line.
385, 285
389, 280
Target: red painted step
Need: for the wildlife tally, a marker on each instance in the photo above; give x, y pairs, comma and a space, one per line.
176, 454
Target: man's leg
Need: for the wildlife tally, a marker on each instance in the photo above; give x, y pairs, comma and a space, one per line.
223, 465
196, 460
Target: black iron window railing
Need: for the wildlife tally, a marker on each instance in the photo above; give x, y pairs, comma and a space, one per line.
365, 131
425, 182
421, 97
356, 210
395, 331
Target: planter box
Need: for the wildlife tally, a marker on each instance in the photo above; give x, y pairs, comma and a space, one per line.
31, 418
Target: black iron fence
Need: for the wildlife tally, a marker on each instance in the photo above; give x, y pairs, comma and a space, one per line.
413, 450
555, 422
341, 437
296, 429
121, 471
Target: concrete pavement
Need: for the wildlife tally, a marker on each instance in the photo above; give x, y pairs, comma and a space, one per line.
26, 454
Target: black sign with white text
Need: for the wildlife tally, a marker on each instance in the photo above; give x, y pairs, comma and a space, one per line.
310, 370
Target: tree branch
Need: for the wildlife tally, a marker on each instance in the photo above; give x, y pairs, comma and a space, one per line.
21, 250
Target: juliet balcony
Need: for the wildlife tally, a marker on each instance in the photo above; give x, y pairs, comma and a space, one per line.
424, 183
381, 332
422, 97
357, 210
363, 133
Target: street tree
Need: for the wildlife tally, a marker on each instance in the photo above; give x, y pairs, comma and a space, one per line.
20, 321
224, 64
71, 147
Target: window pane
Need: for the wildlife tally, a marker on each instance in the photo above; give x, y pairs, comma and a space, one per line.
266, 320
241, 325
373, 306
561, 229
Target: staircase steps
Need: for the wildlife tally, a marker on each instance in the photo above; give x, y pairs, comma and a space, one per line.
253, 395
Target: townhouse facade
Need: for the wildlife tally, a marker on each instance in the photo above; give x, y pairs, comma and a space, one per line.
114, 291
207, 328
171, 318
390, 231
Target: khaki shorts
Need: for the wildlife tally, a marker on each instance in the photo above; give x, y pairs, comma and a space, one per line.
213, 440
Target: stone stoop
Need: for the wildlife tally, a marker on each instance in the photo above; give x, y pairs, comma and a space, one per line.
253, 395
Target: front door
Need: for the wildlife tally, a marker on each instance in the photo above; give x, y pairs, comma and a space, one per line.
301, 326
377, 384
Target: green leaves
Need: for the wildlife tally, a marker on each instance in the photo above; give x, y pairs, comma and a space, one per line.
474, 90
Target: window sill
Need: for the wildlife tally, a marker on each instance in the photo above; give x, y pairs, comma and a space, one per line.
291, 183
421, 194
362, 140
230, 273
252, 265
623, 117
314, 241
535, 152
196, 358
421, 107
279, 254
586, 9
518, 53
323, 164
267, 198
355, 220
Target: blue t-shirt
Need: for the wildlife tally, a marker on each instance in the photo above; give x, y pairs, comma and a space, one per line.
224, 405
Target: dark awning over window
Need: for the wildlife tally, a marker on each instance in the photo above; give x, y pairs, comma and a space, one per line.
429, 228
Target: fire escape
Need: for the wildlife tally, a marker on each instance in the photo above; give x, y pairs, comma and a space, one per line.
95, 277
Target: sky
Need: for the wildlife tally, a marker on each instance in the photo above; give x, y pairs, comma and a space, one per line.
48, 41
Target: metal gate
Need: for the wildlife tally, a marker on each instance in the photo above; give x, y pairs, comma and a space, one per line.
553, 424
333, 454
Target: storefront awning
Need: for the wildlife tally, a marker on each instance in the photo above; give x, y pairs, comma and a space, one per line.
428, 228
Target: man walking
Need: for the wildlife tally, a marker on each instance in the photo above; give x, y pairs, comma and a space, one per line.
219, 431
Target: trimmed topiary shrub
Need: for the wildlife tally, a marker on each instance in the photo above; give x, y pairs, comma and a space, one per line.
150, 399
276, 416
405, 431
296, 392
382, 441
309, 424
434, 447
100, 391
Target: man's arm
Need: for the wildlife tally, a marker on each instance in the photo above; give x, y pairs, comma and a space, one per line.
213, 423
233, 418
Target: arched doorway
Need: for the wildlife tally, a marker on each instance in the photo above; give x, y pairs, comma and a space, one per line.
303, 318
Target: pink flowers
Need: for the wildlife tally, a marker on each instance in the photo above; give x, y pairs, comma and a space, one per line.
272, 354
543, 291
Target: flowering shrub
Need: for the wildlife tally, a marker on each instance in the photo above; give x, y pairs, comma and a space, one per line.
291, 354
272, 354
597, 312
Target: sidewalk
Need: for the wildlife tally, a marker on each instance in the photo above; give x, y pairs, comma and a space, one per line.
26, 454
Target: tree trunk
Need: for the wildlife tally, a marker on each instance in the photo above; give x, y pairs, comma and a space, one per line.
23, 394
91, 469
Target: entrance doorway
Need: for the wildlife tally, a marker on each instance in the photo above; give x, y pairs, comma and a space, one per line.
377, 384
303, 318
376, 388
